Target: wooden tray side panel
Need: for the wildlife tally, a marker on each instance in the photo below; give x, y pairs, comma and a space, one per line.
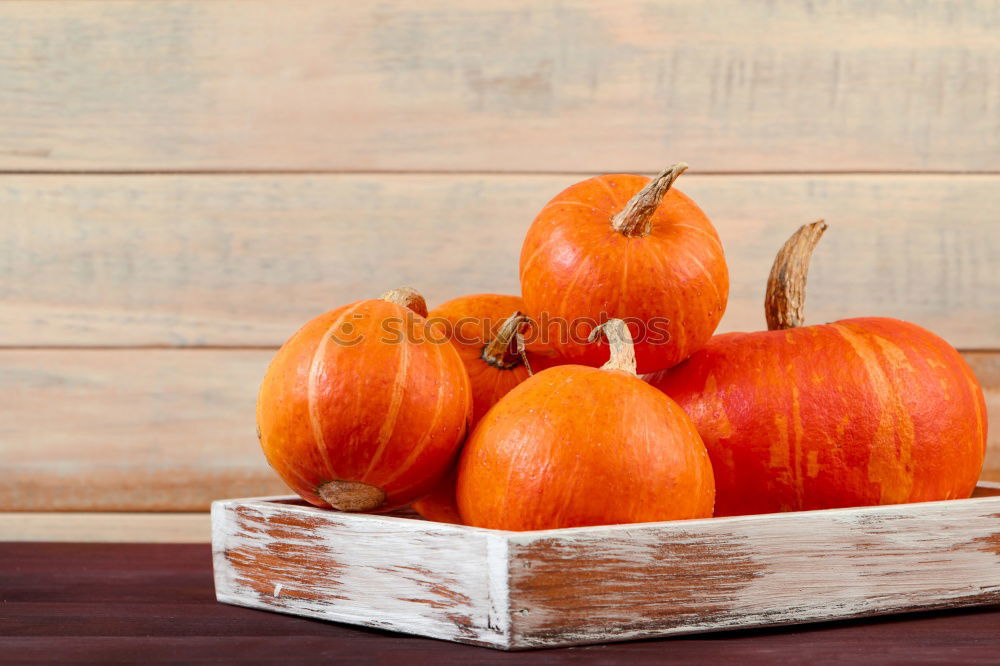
618, 583
411, 576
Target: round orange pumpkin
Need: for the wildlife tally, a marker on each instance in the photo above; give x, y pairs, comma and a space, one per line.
857, 412
575, 445
365, 407
631, 248
486, 330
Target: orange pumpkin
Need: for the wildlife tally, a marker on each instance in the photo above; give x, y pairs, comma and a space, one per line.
440, 505
627, 247
365, 407
485, 330
857, 412
575, 445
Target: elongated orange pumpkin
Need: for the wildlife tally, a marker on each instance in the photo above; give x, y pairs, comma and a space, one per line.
631, 248
575, 445
857, 412
485, 329
365, 407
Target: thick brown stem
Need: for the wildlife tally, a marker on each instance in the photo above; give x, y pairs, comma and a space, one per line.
785, 299
636, 218
620, 341
506, 349
408, 297
351, 495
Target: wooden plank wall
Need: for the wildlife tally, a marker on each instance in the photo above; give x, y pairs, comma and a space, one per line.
183, 183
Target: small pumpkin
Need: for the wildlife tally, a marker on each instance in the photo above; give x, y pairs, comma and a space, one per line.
857, 412
439, 505
575, 445
487, 330
627, 247
365, 407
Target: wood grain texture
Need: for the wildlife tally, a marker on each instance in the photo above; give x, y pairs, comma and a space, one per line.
112, 527
145, 603
245, 260
135, 430
518, 590
625, 582
987, 369
78, 527
431, 579
573, 86
155, 430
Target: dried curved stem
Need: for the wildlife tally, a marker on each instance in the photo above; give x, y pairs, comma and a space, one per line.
505, 349
408, 297
620, 341
635, 219
785, 299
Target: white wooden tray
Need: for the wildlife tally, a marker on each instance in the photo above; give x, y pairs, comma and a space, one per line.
518, 590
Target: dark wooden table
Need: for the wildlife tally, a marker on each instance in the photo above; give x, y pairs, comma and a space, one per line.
142, 603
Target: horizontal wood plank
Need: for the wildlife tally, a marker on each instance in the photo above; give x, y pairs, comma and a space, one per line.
521, 590
987, 369
245, 260
523, 86
155, 430
430, 579
136, 430
117, 527
155, 604
621, 582
113, 527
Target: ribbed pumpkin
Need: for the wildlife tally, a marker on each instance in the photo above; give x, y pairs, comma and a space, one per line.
365, 407
627, 247
484, 329
575, 445
857, 412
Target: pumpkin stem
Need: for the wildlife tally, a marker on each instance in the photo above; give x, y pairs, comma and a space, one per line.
351, 495
620, 340
408, 297
505, 350
786, 286
522, 350
635, 219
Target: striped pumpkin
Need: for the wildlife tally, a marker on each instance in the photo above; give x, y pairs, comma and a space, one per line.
857, 412
483, 328
366, 406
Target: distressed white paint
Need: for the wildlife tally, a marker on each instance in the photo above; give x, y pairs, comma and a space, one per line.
801, 567
586, 585
399, 574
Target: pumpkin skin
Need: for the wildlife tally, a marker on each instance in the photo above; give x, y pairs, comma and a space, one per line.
575, 446
474, 321
391, 416
440, 505
575, 265
858, 412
